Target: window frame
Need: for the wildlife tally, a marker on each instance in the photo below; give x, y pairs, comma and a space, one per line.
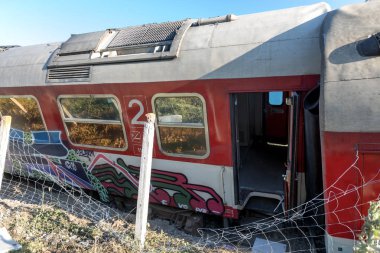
205, 124
38, 105
93, 121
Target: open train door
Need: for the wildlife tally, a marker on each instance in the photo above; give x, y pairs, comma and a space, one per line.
259, 123
291, 169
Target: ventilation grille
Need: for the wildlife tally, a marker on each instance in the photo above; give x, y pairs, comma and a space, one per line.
69, 73
146, 34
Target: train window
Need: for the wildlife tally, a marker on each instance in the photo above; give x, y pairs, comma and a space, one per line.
25, 112
93, 121
275, 97
182, 125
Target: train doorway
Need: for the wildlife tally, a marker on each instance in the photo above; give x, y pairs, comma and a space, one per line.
262, 129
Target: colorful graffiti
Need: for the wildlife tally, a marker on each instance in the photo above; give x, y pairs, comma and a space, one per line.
167, 188
43, 152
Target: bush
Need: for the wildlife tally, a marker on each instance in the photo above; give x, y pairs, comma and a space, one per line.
369, 239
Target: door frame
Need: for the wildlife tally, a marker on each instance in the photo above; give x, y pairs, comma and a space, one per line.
235, 144
291, 173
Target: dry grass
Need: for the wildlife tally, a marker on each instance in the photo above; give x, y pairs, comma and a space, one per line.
48, 229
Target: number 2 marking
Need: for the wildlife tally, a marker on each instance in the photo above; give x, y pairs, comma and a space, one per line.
138, 115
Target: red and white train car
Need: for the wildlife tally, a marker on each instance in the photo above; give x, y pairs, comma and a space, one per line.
253, 111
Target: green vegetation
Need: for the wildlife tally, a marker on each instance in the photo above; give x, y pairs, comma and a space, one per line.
90, 108
24, 111
181, 125
369, 240
105, 135
78, 111
179, 140
191, 108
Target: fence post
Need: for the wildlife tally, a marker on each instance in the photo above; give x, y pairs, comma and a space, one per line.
5, 126
144, 181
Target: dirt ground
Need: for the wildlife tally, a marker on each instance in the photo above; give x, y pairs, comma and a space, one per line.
49, 219
44, 228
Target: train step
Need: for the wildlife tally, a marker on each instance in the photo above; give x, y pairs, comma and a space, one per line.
265, 203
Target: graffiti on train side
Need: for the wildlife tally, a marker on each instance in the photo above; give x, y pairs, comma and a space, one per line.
167, 188
43, 152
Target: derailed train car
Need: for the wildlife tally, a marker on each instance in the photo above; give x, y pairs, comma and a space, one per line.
257, 113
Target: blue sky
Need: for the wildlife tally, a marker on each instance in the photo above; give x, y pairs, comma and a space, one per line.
28, 22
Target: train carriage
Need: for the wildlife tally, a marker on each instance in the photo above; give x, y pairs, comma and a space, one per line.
254, 112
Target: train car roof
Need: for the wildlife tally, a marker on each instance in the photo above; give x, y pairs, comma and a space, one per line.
254, 45
350, 81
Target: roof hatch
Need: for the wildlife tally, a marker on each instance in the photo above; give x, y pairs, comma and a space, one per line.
134, 43
147, 34
81, 43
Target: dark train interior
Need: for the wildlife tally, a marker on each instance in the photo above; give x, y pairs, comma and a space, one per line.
260, 124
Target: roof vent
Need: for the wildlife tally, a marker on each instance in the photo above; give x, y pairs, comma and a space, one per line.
215, 20
69, 74
146, 34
